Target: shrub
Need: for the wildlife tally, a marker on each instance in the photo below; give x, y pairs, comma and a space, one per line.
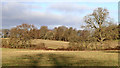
92, 45
5, 43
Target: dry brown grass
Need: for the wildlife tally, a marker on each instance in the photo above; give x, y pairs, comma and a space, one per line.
24, 57
51, 44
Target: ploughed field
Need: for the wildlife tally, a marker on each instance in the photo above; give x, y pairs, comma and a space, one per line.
26, 57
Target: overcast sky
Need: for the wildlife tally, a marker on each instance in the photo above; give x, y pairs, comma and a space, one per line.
52, 14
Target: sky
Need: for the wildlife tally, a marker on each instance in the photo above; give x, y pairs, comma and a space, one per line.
52, 14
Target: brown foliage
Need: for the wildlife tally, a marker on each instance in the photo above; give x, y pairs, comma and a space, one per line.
20, 36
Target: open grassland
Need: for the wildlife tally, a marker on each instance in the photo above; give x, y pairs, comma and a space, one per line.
51, 44
25, 57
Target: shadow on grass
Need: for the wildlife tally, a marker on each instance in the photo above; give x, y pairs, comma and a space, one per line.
59, 60
32, 60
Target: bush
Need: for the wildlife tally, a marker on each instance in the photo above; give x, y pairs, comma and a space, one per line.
5, 43
92, 45
72, 46
16, 43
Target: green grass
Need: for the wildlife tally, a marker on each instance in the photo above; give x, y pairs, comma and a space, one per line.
25, 57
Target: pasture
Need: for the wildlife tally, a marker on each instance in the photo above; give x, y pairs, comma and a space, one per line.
25, 57
51, 44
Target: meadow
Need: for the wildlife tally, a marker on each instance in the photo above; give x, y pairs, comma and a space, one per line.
24, 57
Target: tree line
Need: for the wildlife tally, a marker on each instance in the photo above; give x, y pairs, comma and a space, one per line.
62, 33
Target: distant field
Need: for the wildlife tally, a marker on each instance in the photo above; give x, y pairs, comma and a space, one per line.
51, 43
24, 57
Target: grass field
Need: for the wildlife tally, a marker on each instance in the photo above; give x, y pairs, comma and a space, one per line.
24, 57
51, 44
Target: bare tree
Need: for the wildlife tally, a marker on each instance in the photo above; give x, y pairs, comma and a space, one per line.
98, 19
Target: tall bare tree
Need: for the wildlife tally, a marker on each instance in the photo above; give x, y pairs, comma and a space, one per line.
98, 19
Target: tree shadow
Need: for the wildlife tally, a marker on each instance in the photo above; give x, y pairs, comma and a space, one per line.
33, 60
58, 60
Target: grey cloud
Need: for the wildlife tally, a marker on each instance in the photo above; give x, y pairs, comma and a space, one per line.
18, 13
69, 7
